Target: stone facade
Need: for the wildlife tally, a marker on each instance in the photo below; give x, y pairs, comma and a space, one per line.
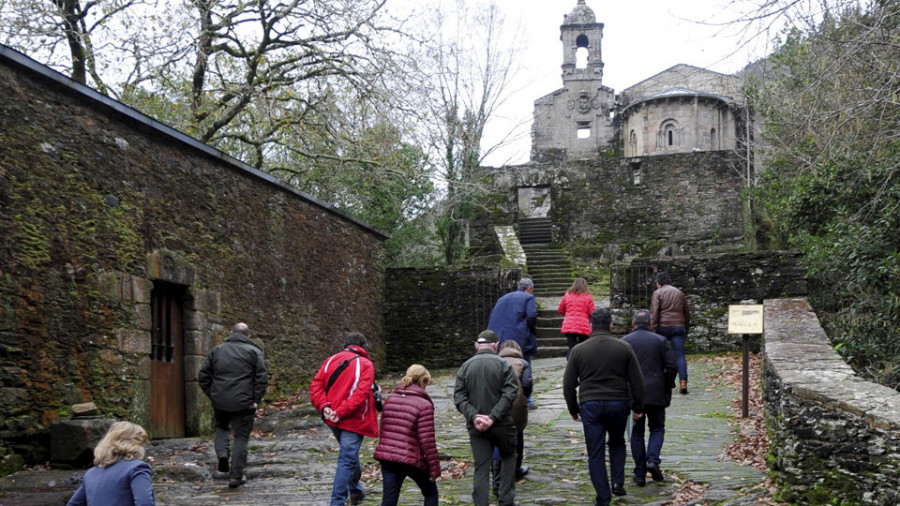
433, 315
104, 209
833, 435
577, 120
681, 110
711, 283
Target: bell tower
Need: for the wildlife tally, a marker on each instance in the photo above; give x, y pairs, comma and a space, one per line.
576, 121
581, 37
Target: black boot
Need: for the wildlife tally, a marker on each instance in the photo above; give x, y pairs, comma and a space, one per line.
495, 476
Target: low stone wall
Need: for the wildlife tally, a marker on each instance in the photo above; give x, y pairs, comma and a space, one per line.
833, 435
433, 314
711, 283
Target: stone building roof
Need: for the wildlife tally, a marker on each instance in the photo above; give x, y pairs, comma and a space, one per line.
677, 92
580, 15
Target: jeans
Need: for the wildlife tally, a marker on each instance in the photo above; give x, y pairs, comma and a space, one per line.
677, 335
528, 359
503, 436
242, 423
599, 418
655, 417
394, 473
349, 470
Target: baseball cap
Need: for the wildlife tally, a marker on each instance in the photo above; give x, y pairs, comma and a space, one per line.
487, 337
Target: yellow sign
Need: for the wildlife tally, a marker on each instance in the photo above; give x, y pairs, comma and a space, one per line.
745, 319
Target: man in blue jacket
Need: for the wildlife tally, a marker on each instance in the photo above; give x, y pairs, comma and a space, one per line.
514, 318
234, 377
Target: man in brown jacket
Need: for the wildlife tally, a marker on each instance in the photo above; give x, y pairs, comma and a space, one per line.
671, 318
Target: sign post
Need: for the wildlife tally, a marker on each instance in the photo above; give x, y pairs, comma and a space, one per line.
745, 319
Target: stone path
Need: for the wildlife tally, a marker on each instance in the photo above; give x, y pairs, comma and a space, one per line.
296, 465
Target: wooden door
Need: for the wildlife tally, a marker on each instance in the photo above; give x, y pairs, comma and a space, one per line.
167, 361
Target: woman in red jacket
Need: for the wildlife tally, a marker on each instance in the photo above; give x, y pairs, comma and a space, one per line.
577, 305
407, 446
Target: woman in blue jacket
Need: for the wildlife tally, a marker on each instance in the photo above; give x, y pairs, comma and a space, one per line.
119, 476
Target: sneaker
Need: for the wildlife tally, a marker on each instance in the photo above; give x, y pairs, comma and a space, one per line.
357, 498
237, 482
223, 464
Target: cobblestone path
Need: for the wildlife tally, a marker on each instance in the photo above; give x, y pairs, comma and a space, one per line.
295, 465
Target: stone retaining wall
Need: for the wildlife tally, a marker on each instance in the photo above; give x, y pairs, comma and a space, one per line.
433, 314
711, 283
833, 435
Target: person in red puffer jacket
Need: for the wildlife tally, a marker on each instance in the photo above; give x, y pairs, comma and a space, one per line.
407, 446
577, 305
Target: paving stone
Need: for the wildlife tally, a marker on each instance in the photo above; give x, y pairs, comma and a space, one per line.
295, 465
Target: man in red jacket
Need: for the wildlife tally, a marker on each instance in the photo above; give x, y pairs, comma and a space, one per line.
342, 392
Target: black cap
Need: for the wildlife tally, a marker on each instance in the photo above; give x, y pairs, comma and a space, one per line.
487, 337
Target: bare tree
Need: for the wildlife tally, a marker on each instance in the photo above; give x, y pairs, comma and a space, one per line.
469, 67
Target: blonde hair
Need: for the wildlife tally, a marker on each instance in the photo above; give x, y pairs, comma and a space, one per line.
122, 440
416, 374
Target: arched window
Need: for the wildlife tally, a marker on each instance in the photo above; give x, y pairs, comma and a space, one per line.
581, 53
632, 143
669, 135
713, 140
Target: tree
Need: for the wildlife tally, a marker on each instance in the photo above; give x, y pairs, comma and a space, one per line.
831, 183
469, 67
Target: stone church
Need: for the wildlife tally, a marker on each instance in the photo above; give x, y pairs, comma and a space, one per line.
657, 169
679, 110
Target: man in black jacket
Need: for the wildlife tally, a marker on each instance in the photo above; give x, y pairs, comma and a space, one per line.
609, 385
234, 378
660, 368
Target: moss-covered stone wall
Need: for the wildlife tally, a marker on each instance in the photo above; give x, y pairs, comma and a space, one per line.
835, 438
433, 315
614, 209
711, 283
98, 205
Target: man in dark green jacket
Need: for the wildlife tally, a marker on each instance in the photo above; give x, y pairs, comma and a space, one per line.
608, 377
234, 377
486, 387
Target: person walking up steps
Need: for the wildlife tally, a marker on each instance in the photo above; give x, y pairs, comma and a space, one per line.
671, 318
514, 317
577, 305
659, 369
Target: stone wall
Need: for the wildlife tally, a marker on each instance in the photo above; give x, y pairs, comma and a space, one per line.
100, 207
833, 435
711, 283
433, 315
616, 209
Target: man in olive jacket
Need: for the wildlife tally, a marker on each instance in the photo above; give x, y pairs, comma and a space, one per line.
234, 377
486, 387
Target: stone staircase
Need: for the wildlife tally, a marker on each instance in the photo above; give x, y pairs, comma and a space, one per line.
550, 342
550, 269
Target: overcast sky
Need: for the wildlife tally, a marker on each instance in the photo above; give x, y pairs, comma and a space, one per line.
640, 39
